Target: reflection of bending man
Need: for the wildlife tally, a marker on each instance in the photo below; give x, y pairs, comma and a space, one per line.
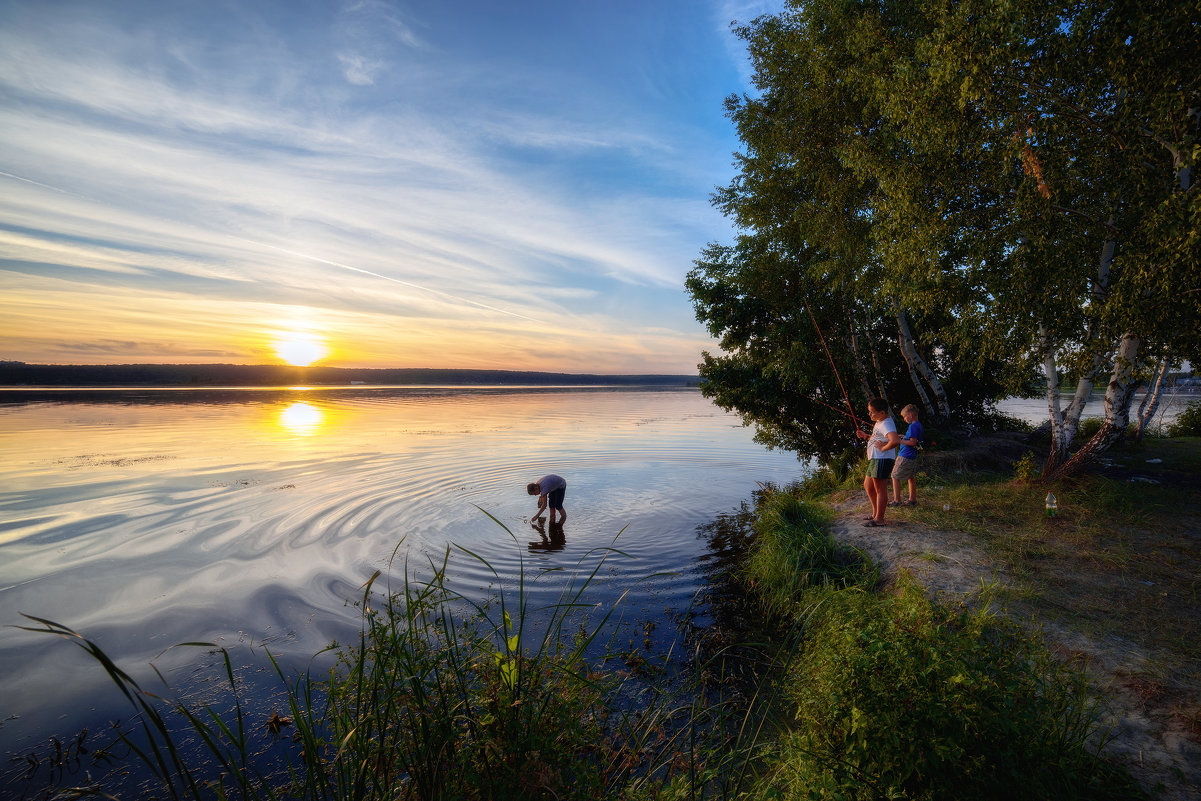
555, 542
550, 490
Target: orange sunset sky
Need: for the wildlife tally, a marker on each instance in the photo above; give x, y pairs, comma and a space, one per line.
375, 184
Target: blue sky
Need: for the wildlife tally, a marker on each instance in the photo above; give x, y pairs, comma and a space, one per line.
458, 184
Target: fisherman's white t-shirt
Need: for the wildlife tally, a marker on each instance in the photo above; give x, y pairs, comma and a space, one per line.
880, 432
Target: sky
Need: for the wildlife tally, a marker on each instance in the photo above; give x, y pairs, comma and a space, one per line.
384, 183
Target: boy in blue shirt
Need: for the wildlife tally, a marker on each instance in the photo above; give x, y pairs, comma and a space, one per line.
905, 467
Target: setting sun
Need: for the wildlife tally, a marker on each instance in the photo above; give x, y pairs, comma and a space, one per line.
300, 351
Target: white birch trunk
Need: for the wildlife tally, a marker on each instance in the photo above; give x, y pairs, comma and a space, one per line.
1059, 441
918, 364
1120, 394
860, 366
907, 347
1118, 398
879, 374
1085, 386
1147, 409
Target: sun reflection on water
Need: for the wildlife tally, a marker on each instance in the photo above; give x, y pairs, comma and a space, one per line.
302, 419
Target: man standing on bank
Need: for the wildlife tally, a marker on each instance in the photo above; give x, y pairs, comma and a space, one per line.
550, 490
881, 452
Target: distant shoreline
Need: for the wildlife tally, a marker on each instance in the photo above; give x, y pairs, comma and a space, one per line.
19, 375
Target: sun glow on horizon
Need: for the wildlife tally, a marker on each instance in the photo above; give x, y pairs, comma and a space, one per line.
300, 350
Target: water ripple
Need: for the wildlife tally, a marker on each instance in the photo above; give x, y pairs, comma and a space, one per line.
144, 525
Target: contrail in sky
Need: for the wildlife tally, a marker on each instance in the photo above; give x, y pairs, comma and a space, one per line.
318, 259
390, 278
44, 186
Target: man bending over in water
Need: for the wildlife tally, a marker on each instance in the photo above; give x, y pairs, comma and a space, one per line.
550, 490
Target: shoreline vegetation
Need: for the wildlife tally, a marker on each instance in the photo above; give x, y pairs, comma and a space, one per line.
20, 374
1108, 584
971, 648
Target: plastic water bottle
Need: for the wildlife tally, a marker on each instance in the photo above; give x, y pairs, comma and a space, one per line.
1052, 505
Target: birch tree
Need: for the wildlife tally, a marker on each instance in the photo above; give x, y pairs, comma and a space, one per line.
1012, 180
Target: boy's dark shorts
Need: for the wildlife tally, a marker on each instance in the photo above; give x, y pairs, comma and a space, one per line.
879, 468
554, 498
905, 469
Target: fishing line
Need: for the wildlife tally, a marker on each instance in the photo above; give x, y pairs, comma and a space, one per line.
833, 408
830, 356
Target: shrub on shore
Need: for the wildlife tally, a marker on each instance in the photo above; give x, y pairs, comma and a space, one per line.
793, 554
1188, 424
900, 697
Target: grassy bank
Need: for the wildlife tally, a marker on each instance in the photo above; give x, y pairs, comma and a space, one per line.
1114, 561
895, 695
441, 698
1111, 579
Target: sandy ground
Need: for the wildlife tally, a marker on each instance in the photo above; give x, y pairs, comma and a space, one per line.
1149, 738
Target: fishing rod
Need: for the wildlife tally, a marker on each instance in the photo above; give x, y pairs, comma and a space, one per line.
833, 367
835, 408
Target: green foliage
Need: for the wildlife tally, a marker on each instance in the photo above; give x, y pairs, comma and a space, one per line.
1089, 426
1188, 424
994, 421
969, 164
793, 554
900, 697
1026, 469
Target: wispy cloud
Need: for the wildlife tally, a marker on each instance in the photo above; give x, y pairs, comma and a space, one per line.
742, 12
354, 164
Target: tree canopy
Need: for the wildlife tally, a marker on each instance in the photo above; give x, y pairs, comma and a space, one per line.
937, 199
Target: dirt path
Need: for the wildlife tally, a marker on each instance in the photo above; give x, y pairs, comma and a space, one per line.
1150, 736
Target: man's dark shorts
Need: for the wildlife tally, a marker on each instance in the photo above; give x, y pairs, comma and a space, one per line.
879, 468
554, 498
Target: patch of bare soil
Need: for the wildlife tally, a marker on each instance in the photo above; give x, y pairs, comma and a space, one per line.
1156, 711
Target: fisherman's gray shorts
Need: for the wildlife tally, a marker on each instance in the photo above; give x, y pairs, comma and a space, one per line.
904, 469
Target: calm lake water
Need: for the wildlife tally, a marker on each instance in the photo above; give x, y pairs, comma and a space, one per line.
1034, 410
147, 518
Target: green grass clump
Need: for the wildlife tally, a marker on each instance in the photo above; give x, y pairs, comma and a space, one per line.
793, 553
441, 706
901, 697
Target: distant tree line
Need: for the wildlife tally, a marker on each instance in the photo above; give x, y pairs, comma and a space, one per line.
946, 202
269, 375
